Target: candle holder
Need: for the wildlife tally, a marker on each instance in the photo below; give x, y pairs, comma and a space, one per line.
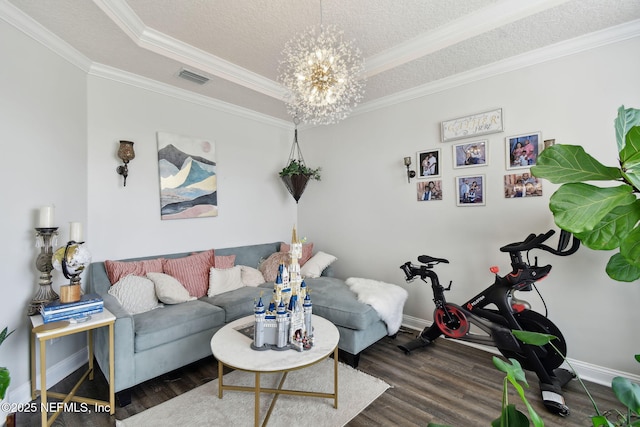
46, 238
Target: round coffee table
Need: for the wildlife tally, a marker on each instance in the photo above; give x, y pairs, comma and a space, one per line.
232, 348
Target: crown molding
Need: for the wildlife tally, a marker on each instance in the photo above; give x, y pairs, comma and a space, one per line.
155, 41
549, 53
15, 17
120, 76
464, 28
26, 24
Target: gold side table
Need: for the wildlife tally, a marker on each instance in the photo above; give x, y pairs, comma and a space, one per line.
42, 332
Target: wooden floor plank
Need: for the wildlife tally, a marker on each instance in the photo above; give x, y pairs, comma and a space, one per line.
446, 383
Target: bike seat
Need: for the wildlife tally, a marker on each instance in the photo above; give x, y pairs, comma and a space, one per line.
426, 259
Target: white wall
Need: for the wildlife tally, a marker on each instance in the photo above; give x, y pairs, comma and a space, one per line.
43, 116
253, 205
366, 213
62, 127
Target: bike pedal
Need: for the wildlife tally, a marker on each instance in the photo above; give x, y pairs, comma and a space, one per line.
554, 403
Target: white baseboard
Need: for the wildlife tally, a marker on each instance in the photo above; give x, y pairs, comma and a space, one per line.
586, 371
55, 374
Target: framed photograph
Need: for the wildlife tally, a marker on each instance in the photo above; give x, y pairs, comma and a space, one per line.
522, 185
473, 125
470, 154
522, 150
429, 163
429, 190
470, 190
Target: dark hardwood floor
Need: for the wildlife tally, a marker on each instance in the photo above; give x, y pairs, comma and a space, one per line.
446, 383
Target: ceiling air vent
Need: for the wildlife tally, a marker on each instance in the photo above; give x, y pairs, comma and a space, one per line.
193, 77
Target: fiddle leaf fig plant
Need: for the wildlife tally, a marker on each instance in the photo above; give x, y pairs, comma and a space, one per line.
602, 217
5, 379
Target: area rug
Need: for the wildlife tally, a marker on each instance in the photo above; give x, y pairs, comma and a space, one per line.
202, 407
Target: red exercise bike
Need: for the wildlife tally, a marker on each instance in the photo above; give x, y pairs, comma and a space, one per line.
497, 312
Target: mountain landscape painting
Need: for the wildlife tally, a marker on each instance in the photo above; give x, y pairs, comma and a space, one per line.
188, 180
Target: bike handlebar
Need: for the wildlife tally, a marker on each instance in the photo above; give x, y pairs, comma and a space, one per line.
536, 242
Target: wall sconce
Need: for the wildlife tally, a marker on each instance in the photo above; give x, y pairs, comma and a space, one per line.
126, 154
410, 173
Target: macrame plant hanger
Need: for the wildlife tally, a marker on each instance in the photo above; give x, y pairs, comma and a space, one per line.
297, 182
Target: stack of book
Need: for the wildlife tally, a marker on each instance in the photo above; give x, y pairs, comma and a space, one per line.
56, 310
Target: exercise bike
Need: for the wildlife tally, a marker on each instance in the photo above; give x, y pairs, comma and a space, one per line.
496, 311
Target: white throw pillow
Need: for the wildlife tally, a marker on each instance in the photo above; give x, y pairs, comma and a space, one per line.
168, 289
224, 280
317, 263
251, 276
136, 294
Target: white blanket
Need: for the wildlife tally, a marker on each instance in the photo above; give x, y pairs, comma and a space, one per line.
387, 299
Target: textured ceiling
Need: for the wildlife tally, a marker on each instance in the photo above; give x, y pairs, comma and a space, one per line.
407, 44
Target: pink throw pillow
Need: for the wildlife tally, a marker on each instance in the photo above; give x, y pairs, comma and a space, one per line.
225, 261
116, 270
307, 251
192, 271
269, 267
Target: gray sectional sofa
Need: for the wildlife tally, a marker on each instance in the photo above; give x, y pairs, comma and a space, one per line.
155, 342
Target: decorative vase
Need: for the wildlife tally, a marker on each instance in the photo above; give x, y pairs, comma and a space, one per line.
296, 184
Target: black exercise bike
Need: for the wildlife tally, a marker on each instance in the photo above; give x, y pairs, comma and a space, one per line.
497, 312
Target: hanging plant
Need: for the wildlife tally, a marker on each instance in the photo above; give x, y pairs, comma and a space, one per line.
296, 168
296, 174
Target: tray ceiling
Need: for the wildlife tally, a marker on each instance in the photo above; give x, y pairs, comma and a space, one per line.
407, 44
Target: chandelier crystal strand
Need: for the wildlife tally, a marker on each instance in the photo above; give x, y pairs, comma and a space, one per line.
323, 75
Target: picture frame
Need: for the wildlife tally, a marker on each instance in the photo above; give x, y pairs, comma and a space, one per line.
483, 123
522, 150
470, 190
430, 190
470, 154
185, 195
522, 184
429, 165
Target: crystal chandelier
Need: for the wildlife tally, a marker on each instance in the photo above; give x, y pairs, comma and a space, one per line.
323, 75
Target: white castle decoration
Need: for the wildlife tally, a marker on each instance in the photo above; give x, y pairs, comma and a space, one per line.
286, 323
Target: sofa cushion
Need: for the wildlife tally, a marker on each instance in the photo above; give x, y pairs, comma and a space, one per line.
192, 271
307, 251
116, 270
269, 267
224, 261
173, 322
237, 303
136, 294
168, 289
251, 276
317, 263
250, 255
334, 301
224, 280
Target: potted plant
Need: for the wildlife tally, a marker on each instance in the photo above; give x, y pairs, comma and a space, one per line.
5, 378
627, 392
296, 174
603, 218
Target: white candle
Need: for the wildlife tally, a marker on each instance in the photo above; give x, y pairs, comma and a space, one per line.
46, 217
75, 231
